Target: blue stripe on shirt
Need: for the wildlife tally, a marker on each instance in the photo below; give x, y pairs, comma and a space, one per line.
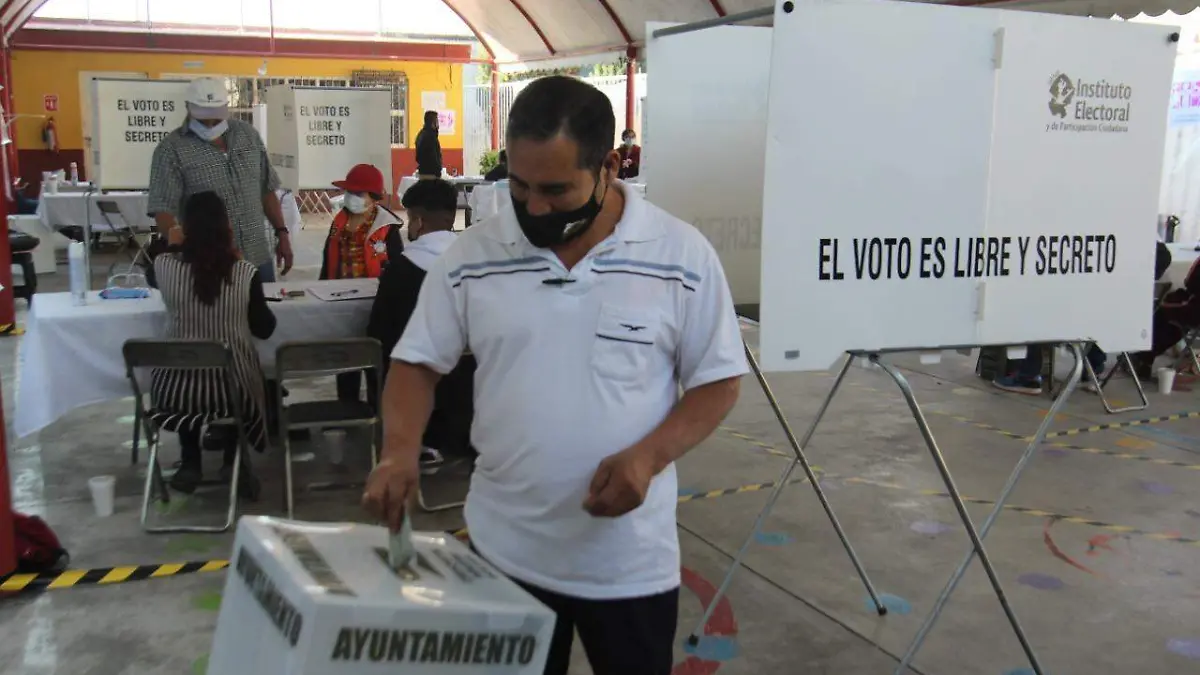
510, 262
659, 267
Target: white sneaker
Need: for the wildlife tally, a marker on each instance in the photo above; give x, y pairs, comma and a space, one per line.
430, 461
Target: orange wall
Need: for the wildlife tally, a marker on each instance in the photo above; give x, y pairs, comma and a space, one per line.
37, 73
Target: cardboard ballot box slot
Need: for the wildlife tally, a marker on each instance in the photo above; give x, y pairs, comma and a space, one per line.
307, 598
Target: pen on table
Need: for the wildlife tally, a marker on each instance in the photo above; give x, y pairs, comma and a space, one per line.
339, 294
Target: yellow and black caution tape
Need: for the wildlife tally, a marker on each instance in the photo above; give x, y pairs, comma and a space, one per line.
765, 447
1039, 513
103, 576
1078, 448
1124, 425
752, 487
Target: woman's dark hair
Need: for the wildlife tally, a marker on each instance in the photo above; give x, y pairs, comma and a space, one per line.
565, 105
208, 244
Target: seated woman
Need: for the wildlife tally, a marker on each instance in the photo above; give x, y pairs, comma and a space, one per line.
1178, 313
211, 294
363, 234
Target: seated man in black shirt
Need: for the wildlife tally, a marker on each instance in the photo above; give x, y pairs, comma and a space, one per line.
500, 171
431, 206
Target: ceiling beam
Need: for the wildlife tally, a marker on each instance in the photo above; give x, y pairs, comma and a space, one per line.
478, 36
617, 21
536, 28
26, 12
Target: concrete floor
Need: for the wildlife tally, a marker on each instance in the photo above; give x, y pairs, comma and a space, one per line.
1098, 552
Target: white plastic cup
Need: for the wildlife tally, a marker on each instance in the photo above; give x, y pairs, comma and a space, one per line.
334, 441
52, 185
1166, 380
103, 491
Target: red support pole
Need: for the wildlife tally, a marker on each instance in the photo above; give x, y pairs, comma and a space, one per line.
7, 311
630, 89
495, 94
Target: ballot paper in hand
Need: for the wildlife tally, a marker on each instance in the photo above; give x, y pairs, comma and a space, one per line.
324, 599
400, 546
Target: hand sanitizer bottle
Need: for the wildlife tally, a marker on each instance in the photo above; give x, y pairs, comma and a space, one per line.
77, 261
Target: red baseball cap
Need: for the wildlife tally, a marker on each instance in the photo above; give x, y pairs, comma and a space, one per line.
362, 178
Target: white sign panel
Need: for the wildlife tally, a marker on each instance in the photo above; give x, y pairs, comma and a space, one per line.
131, 117
989, 186
433, 100
1076, 163
334, 129
321, 599
282, 140
706, 164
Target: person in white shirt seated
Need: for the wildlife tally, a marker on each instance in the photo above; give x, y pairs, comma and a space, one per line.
607, 348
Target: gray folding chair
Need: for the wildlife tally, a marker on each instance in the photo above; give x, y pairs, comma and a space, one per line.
1160, 291
295, 360
181, 355
125, 232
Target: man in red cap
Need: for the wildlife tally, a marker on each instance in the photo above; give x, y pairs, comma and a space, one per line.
363, 235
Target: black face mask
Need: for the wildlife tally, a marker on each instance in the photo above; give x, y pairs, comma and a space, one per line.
558, 227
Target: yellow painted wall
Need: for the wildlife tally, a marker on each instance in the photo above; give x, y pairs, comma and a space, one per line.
37, 73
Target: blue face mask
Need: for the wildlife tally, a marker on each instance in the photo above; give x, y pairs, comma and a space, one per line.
209, 133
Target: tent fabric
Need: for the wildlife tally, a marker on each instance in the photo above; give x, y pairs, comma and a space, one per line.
535, 30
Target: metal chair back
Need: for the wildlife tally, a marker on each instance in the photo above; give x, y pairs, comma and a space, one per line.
327, 357
176, 354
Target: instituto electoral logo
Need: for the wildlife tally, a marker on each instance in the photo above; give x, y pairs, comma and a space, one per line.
1088, 106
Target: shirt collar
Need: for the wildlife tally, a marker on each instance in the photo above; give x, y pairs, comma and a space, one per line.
636, 223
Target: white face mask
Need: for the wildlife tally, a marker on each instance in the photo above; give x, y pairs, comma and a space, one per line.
209, 133
355, 204
628, 142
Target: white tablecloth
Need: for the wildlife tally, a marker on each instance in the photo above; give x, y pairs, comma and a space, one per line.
64, 210
487, 199
1182, 257
460, 182
70, 356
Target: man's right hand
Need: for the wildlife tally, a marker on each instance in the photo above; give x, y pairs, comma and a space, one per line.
390, 489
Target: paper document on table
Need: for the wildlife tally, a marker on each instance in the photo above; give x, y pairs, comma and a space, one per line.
348, 289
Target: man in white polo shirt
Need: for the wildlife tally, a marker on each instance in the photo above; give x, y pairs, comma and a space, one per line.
588, 311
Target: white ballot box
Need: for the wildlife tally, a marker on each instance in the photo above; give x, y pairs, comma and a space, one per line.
320, 598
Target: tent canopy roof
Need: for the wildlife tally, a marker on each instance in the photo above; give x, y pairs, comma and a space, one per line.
533, 30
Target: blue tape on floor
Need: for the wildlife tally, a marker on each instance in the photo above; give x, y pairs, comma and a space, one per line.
894, 604
773, 538
713, 648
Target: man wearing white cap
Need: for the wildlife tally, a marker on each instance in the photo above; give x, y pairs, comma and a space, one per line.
211, 152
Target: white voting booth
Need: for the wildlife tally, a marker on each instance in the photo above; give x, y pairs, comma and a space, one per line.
316, 134
130, 118
931, 177
321, 599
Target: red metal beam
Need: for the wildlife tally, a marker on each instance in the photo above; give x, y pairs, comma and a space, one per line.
717, 7
617, 20
32, 38
478, 36
495, 106
630, 89
536, 28
7, 311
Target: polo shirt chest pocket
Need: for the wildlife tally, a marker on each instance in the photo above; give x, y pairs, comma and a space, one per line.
628, 342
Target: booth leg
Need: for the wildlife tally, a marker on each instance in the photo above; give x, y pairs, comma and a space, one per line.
801, 461
977, 536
